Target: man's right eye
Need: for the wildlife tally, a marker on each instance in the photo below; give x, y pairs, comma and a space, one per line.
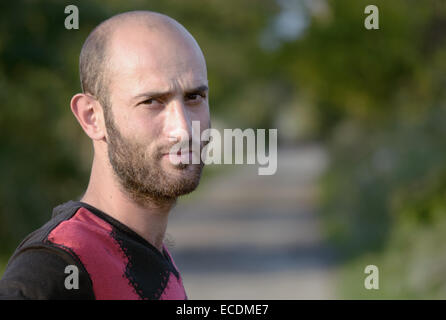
150, 102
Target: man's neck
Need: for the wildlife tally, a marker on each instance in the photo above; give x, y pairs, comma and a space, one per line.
148, 220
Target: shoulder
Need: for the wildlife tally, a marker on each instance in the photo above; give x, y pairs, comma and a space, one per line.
80, 231
38, 267
72, 228
41, 271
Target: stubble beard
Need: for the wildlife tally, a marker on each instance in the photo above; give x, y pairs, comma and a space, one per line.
141, 175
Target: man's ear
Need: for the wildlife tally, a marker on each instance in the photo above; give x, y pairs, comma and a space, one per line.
88, 112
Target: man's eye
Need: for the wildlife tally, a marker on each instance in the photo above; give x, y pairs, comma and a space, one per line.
150, 102
195, 96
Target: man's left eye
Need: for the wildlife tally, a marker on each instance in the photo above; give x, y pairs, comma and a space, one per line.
194, 96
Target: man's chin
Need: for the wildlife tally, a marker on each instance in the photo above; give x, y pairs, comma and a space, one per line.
179, 188
169, 188
183, 178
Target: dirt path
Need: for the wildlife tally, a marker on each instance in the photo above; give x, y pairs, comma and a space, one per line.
256, 237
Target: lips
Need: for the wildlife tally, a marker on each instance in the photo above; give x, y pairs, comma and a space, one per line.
179, 153
184, 157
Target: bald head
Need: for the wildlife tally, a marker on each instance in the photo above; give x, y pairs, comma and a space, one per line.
110, 44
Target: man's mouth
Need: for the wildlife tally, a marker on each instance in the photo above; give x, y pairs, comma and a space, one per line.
184, 157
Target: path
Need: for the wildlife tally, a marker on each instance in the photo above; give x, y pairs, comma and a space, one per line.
247, 236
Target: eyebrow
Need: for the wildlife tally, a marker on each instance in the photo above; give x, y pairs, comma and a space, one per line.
154, 95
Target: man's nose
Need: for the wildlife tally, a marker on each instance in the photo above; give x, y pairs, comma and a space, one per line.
178, 124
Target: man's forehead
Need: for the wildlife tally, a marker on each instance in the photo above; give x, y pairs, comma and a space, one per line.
149, 55
143, 73
145, 61
157, 42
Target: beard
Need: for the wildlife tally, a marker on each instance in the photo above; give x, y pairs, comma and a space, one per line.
141, 174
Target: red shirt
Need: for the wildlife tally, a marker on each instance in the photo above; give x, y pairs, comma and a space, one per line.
113, 261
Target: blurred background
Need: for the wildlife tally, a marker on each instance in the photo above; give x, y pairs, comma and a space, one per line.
361, 173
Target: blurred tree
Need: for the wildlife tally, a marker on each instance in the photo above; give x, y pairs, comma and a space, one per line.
380, 103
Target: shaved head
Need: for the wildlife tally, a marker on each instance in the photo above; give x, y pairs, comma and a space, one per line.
96, 56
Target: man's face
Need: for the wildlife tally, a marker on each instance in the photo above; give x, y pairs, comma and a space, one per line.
158, 87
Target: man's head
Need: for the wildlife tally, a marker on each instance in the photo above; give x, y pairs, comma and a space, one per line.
144, 81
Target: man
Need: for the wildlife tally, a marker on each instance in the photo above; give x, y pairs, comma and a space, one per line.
144, 81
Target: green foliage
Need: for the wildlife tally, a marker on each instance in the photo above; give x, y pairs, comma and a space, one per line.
39, 154
384, 193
